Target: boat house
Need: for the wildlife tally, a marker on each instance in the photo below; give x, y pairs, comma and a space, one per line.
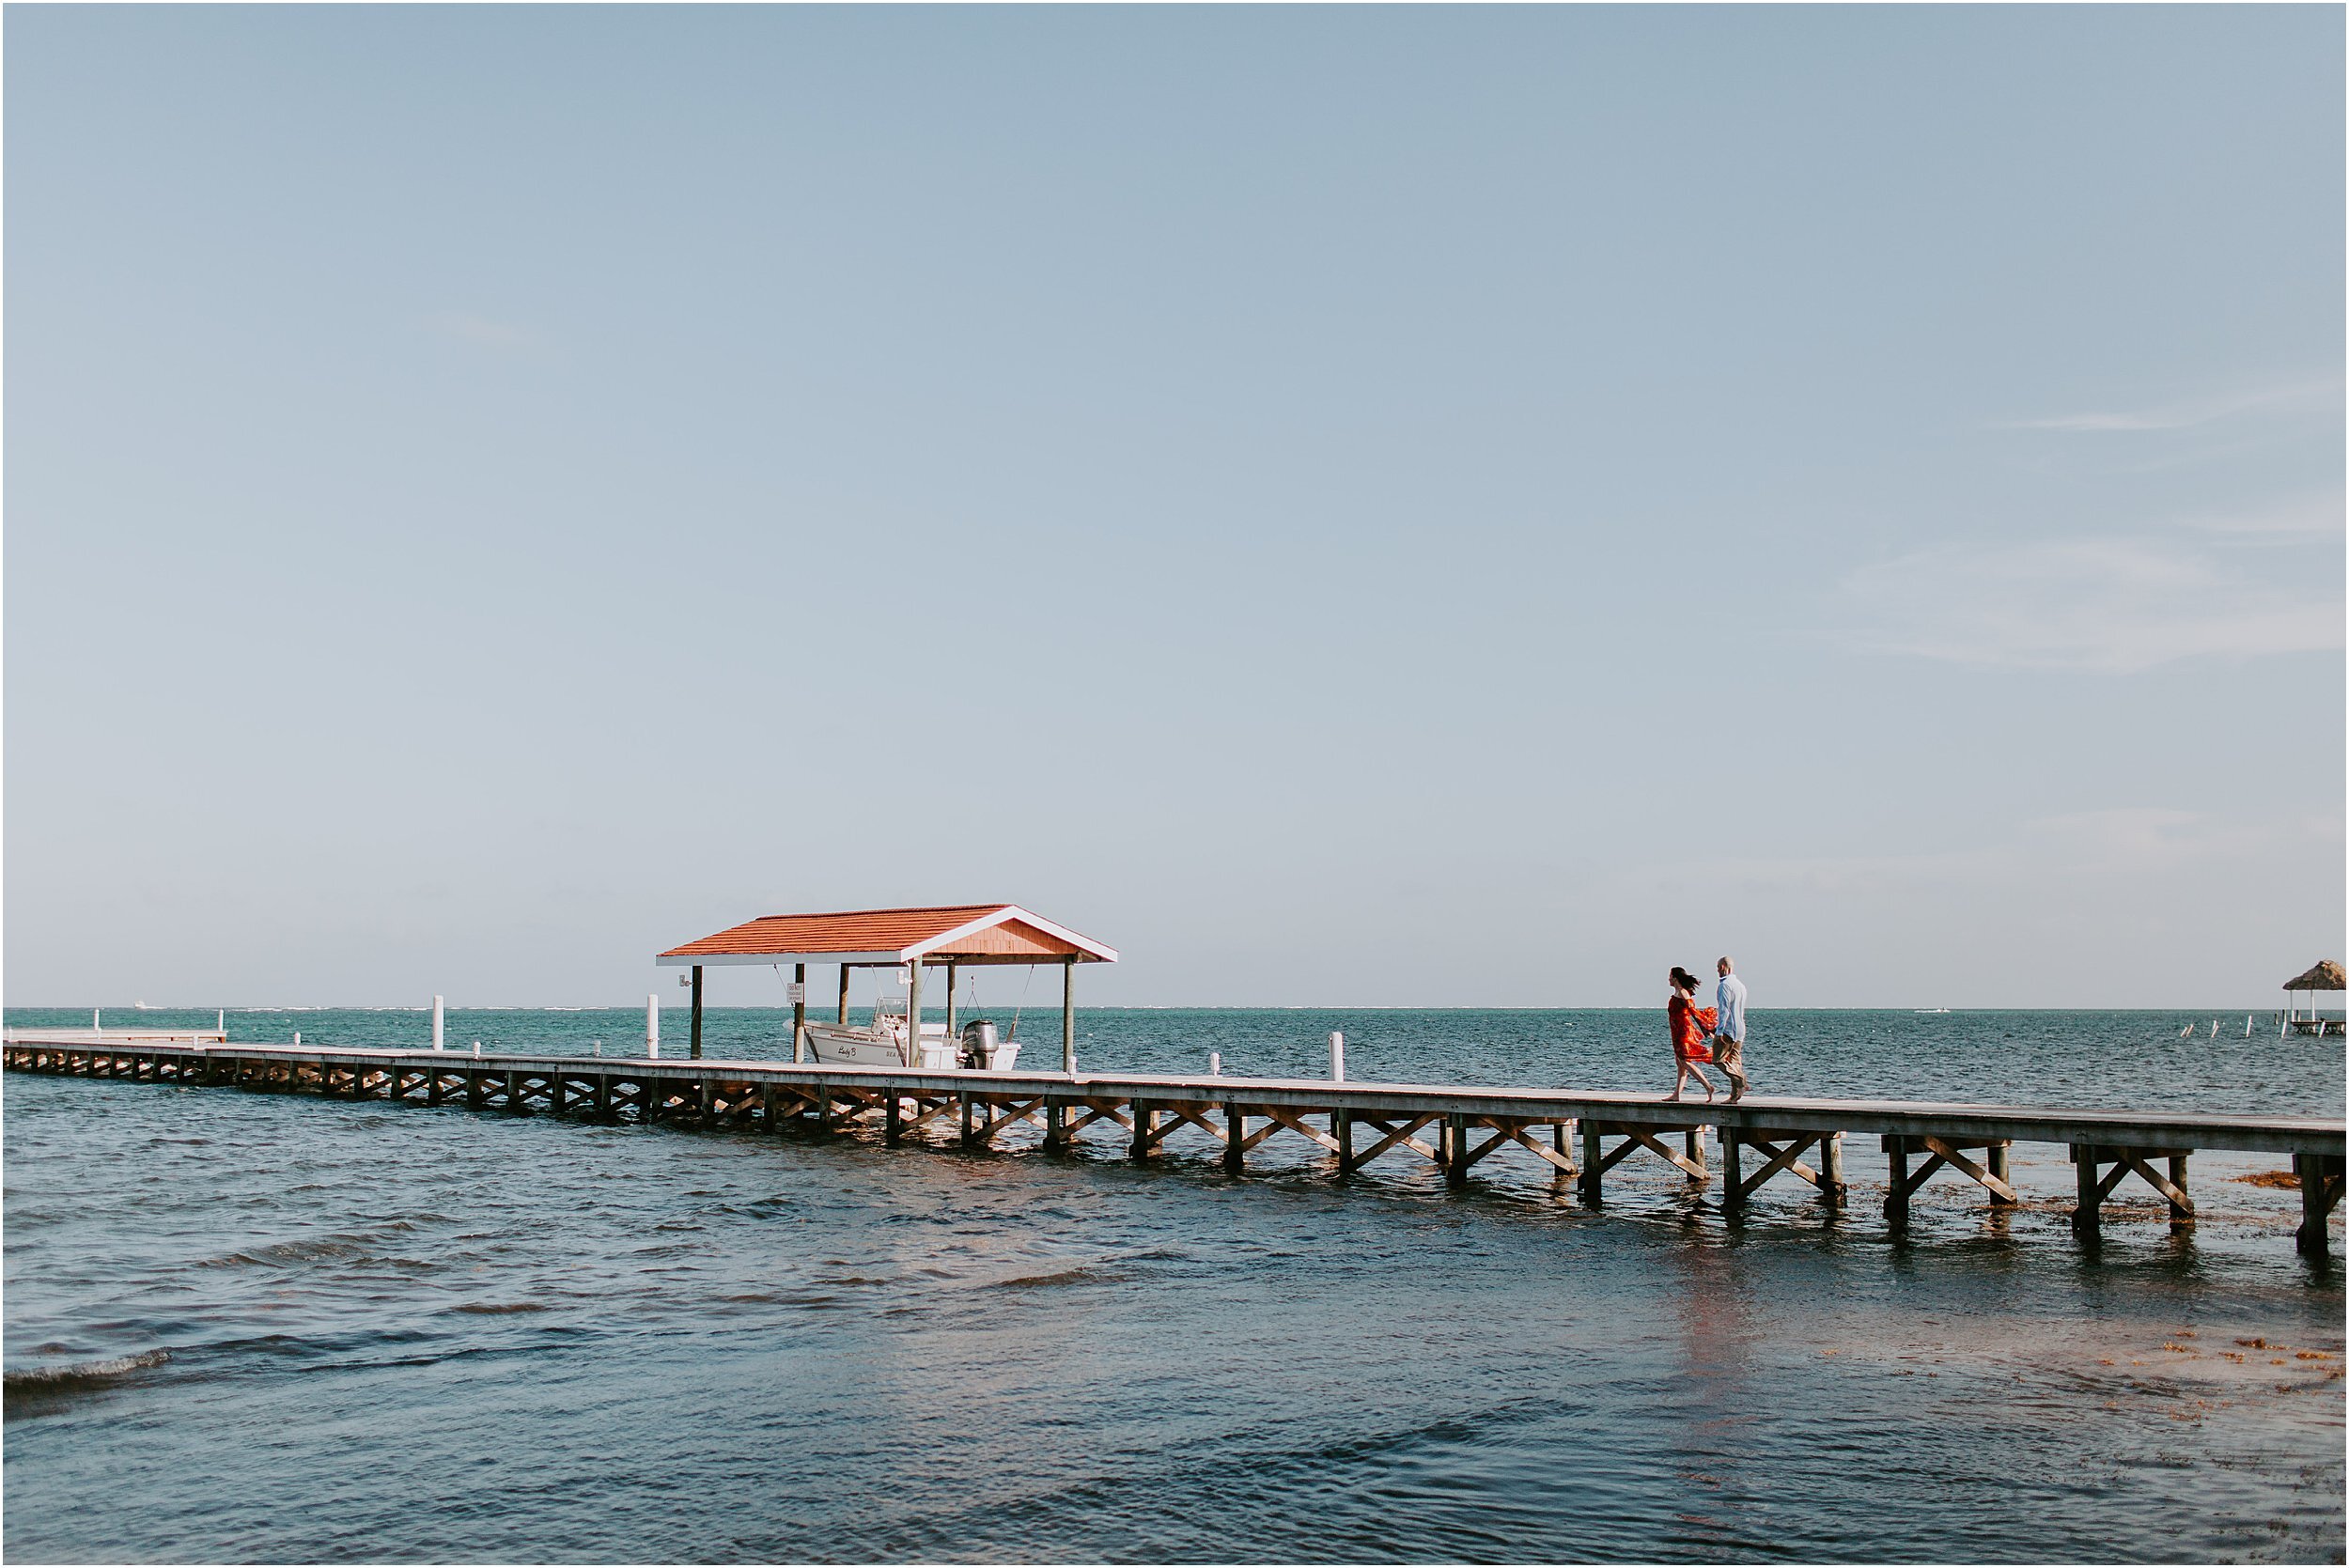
945, 936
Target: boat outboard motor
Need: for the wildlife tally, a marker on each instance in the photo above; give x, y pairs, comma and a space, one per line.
978, 1042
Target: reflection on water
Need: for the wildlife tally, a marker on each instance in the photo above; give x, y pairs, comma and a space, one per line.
250, 1327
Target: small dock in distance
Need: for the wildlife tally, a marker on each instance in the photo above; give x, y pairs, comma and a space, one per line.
1575, 1137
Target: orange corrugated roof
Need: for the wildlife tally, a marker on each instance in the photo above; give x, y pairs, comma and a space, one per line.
853, 931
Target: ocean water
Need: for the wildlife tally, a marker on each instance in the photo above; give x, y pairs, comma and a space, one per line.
259, 1328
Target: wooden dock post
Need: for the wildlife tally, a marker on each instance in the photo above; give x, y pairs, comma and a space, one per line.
705, 1101
1593, 1170
514, 1102
1562, 1142
1341, 1133
1996, 1160
1145, 1116
1693, 1141
1056, 1124
2321, 1183
2180, 1209
1831, 1169
2088, 1208
1897, 1195
476, 1096
603, 1097
1455, 1147
1733, 1169
1234, 1137
965, 1098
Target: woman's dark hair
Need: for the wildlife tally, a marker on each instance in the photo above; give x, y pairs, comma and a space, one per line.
1683, 978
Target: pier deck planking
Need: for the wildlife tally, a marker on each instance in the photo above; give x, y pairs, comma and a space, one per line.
1453, 1126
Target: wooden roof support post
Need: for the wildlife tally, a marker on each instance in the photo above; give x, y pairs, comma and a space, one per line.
913, 1013
694, 1048
798, 1012
1068, 1014
954, 1041
843, 991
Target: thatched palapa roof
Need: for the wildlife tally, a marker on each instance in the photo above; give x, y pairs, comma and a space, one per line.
2326, 976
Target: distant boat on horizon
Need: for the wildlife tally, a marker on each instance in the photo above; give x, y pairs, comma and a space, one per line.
1928, 1011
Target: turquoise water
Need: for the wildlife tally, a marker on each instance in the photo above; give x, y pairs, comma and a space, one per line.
243, 1327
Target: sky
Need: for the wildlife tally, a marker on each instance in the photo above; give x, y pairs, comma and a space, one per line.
1350, 507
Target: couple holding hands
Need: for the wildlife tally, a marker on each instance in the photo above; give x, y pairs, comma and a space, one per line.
1714, 1034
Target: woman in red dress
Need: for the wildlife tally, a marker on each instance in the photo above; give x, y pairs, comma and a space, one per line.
1692, 1028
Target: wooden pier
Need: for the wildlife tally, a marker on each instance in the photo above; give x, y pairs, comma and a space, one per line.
1575, 1137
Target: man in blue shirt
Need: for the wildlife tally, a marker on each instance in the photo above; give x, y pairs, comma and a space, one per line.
1729, 1038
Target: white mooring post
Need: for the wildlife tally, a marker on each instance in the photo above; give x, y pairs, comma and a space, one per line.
1337, 1057
435, 1024
93, 1020
652, 1024
1215, 1063
221, 1028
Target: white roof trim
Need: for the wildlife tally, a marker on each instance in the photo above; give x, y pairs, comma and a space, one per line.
1011, 912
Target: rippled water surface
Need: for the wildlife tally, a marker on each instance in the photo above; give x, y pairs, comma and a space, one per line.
250, 1327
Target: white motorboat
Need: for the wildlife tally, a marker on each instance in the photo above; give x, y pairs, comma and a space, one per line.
882, 1044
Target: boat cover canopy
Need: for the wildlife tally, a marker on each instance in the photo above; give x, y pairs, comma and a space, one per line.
946, 933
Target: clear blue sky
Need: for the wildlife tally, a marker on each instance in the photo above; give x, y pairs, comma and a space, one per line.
1373, 507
